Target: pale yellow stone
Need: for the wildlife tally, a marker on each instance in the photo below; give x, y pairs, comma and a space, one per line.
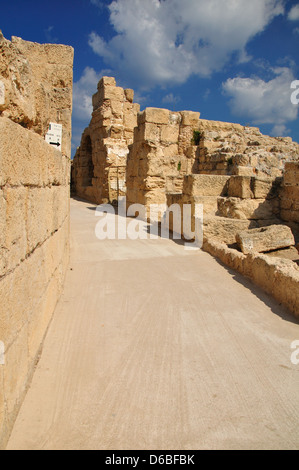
265, 239
190, 118
154, 115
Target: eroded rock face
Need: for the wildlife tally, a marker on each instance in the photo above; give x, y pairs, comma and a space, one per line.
36, 86
256, 209
265, 239
227, 148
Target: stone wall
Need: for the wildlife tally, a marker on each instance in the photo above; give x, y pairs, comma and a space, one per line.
160, 156
227, 148
36, 80
34, 208
99, 166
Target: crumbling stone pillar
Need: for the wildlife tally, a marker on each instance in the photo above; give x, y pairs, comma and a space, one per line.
159, 157
99, 167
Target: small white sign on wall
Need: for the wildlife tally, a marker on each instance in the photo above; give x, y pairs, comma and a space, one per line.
2, 93
54, 135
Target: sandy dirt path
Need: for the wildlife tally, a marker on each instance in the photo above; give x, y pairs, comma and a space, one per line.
155, 347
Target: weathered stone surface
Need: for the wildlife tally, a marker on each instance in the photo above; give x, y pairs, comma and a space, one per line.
227, 148
240, 186
205, 185
190, 118
265, 239
37, 80
34, 207
223, 229
236, 208
99, 166
154, 115
265, 188
129, 94
159, 150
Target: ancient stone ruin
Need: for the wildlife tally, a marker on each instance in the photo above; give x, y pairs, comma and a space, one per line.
36, 90
99, 171
245, 180
247, 183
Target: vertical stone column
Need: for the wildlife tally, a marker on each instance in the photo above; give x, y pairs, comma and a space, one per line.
159, 157
108, 136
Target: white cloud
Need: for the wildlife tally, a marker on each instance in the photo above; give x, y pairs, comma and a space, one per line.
263, 102
294, 13
49, 35
98, 3
166, 42
171, 98
280, 130
83, 90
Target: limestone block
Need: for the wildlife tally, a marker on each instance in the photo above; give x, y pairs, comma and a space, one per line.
205, 185
26, 159
130, 120
104, 112
244, 171
39, 209
265, 239
264, 188
150, 132
15, 229
240, 186
209, 203
171, 150
291, 176
113, 93
223, 229
190, 118
106, 81
169, 134
129, 94
154, 115
236, 208
117, 108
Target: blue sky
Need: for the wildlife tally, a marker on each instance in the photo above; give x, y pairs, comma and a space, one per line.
232, 60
